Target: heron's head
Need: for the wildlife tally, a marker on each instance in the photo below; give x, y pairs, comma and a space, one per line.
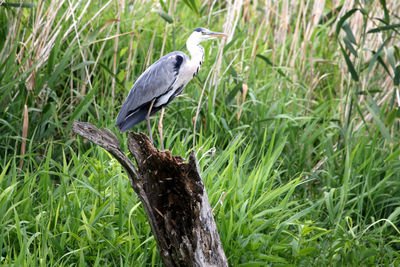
201, 34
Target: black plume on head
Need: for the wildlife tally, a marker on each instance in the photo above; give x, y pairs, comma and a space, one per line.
199, 29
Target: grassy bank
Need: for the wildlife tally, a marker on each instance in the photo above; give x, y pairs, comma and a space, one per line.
294, 117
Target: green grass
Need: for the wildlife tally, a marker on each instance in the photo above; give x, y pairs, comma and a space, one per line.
308, 175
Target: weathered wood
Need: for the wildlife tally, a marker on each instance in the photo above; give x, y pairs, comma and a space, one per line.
173, 197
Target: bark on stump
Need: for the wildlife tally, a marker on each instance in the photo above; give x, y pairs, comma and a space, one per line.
173, 197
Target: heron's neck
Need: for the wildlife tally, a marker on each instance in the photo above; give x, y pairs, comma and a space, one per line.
196, 53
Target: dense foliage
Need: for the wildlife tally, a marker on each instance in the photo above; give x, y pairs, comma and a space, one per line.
294, 117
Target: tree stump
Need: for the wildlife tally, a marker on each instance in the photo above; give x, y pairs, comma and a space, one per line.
173, 197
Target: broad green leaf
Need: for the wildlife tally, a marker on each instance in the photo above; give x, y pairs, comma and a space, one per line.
253, 264
123, 51
121, 75
306, 251
273, 258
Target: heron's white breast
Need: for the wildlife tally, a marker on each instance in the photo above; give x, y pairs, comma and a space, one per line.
186, 73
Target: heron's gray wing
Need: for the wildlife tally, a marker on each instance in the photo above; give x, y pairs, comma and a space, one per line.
157, 80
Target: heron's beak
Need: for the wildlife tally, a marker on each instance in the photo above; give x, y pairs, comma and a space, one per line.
217, 34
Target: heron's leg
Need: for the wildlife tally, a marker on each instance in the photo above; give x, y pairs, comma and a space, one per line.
160, 127
148, 120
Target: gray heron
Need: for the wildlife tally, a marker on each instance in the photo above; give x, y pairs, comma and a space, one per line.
162, 82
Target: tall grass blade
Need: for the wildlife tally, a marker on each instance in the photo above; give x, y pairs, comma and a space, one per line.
23, 5
25, 126
376, 55
384, 28
343, 19
165, 16
192, 4
396, 80
349, 64
384, 131
385, 11
81, 108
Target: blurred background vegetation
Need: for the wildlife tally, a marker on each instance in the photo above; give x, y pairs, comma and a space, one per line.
294, 117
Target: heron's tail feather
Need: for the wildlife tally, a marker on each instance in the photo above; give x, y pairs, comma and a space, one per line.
132, 119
